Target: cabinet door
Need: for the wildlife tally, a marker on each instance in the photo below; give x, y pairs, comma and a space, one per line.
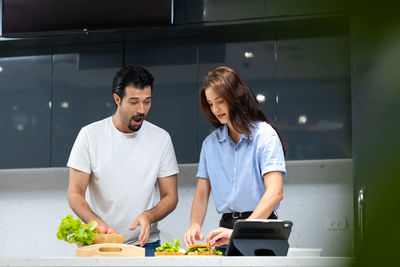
25, 89
376, 132
82, 91
222, 10
314, 97
305, 7
174, 108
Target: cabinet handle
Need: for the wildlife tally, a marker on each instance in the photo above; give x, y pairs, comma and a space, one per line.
361, 213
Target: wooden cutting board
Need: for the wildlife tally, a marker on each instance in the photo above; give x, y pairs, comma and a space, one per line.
108, 238
110, 250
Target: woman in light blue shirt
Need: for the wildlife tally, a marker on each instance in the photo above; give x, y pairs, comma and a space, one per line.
241, 162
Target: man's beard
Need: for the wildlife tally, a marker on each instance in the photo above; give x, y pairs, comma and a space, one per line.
132, 126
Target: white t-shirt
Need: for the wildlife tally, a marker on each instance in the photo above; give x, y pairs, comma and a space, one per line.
124, 169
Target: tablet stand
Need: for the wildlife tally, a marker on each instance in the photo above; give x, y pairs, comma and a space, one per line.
261, 247
261, 237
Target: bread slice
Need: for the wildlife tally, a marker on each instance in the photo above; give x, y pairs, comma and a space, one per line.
202, 253
210, 252
161, 254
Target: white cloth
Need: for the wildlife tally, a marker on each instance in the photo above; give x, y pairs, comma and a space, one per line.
124, 169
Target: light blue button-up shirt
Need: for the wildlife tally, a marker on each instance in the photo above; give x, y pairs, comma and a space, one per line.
236, 171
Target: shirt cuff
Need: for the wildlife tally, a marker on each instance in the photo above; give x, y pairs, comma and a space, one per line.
274, 168
79, 168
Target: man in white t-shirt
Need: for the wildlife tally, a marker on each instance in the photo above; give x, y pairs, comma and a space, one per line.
120, 160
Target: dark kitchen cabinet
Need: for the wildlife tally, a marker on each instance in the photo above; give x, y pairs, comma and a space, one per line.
82, 91
314, 94
25, 90
70, 79
376, 129
173, 64
228, 10
223, 10
305, 7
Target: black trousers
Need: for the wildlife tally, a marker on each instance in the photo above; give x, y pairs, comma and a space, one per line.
229, 219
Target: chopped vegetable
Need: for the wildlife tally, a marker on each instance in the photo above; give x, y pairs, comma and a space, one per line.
200, 249
168, 247
102, 229
74, 231
216, 252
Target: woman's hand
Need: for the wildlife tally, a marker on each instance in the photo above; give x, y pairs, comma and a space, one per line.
193, 234
219, 236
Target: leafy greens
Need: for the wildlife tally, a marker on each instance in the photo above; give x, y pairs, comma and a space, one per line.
168, 247
74, 231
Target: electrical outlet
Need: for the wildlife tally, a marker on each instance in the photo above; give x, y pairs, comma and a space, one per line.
336, 224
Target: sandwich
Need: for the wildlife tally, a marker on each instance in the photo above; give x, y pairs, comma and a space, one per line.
169, 249
202, 250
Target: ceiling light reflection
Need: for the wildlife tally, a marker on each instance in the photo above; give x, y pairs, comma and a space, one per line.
248, 54
260, 98
20, 127
65, 104
302, 119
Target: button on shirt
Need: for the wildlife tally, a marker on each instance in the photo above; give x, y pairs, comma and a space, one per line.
236, 171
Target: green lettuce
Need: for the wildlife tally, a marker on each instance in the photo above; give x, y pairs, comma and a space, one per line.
216, 252
199, 249
169, 247
74, 231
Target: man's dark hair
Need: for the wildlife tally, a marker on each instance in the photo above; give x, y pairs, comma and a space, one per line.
135, 76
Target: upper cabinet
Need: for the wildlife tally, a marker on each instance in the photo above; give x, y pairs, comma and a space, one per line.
81, 91
197, 11
175, 107
222, 10
305, 7
25, 105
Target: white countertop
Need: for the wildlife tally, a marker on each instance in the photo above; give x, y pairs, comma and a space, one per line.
180, 261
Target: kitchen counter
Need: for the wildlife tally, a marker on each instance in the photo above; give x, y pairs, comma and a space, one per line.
180, 261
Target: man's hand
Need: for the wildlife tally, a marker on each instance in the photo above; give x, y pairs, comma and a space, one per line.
192, 234
219, 236
168, 200
144, 221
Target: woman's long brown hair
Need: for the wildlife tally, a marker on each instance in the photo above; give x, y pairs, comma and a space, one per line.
244, 109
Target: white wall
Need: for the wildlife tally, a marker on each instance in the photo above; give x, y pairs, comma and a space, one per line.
33, 202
